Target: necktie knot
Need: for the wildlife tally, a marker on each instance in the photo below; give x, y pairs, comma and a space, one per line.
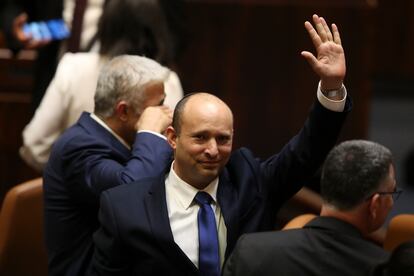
203, 198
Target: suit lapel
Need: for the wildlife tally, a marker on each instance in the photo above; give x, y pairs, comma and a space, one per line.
227, 199
98, 131
157, 212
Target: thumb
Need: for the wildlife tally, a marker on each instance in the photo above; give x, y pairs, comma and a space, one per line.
312, 60
17, 30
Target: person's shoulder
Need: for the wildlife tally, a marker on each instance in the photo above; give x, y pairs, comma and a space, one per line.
242, 158
173, 78
79, 61
79, 132
277, 242
172, 82
140, 187
270, 238
242, 153
84, 122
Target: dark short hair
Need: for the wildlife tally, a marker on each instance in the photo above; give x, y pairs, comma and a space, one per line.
178, 112
135, 28
353, 171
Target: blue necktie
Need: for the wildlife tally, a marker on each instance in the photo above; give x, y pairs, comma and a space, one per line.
209, 260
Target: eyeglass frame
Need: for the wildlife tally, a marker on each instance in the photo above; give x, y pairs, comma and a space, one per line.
395, 194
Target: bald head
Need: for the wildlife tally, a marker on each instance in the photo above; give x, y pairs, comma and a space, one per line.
200, 102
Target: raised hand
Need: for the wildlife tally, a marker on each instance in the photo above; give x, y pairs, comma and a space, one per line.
155, 118
330, 61
26, 40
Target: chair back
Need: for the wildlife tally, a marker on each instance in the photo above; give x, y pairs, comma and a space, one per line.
400, 229
299, 221
22, 250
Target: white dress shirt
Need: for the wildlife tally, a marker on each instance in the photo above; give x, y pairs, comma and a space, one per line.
91, 17
105, 126
183, 211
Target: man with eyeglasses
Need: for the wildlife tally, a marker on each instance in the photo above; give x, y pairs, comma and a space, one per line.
358, 189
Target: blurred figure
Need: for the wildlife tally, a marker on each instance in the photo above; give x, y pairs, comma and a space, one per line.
401, 262
125, 27
118, 143
358, 188
18, 12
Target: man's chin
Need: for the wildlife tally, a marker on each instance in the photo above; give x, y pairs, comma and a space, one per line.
210, 171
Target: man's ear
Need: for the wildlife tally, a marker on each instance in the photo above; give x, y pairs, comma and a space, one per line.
121, 110
171, 136
374, 205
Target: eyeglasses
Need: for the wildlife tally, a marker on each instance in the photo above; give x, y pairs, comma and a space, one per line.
395, 194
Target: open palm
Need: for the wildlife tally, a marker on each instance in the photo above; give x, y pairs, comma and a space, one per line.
330, 61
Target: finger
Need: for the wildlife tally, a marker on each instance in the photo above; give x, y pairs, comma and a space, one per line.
20, 20
319, 27
316, 40
17, 28
32, 44
168, 112
312, 60
165, 108
22, 37
327, 30
36, 44
336, 36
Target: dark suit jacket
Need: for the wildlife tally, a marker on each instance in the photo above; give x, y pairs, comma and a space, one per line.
86, 160
325, 246
135, 237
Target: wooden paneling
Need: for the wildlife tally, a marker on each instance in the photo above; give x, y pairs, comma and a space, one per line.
296, 3
248, 53
15, 95
394, 39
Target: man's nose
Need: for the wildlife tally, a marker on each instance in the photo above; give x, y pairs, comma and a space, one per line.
211, 148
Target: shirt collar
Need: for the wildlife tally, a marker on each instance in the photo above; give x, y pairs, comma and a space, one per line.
104, 125
334, 224
185, 193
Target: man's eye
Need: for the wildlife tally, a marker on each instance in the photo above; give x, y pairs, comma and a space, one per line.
223, 140
199, 137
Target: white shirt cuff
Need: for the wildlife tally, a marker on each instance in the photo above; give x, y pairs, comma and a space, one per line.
333, 105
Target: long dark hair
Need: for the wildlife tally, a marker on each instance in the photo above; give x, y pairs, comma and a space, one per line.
135, 27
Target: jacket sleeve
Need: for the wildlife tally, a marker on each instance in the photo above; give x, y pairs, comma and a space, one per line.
91, 169
287, 171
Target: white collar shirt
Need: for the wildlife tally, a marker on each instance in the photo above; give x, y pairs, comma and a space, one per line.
183, 211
